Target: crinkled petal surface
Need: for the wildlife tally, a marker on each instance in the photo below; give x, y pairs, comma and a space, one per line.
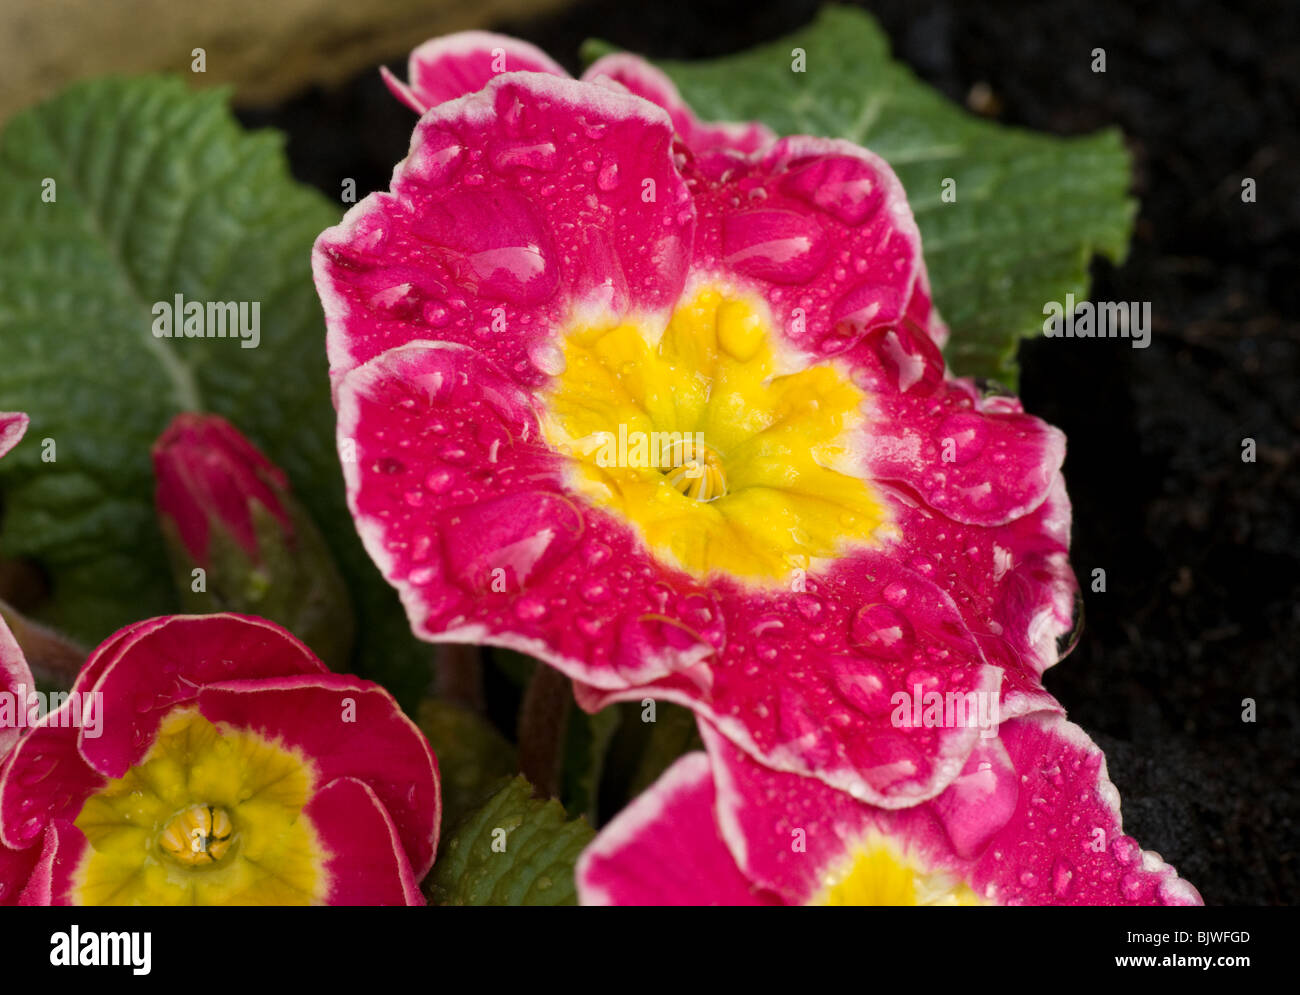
1032, 819
517, 207
869, 526
39, 874
458, 64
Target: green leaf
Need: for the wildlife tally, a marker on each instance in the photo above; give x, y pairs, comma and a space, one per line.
1030, 209
536, 865
586, 741
673, 733
159, 192
472, 756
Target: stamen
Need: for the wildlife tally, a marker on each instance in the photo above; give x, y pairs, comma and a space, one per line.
696, 471
198, 835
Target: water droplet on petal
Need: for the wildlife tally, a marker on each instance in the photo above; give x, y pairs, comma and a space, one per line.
881, 629
1062, 877
548, 358
608, 177
531, 608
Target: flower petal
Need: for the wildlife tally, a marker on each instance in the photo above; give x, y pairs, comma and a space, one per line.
975, 460
664, 849
651, 83
366, 863
153, 667
1032, 820
45, 870
445, 68
1012, 584
518, 206
14, 675
345, 727
822, 230
14, 672
1065, 844
473, 525
45, 779
812, 684
13, 424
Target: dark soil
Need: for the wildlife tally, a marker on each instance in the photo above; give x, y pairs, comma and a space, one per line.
1201, 551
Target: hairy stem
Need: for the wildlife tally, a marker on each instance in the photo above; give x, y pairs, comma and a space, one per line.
52, 657
542, 719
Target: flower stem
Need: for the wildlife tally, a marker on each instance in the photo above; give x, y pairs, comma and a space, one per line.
542, 720
458, 675
52, 657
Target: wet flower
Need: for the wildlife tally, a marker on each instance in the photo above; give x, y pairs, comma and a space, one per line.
228, 767
451, 66
669, 414
14, 672
238, 539
1031, 820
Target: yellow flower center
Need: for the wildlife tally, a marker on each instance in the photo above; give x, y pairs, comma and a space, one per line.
211, 816
878, 875
721, 459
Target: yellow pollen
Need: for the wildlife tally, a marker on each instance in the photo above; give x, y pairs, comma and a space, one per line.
201, 834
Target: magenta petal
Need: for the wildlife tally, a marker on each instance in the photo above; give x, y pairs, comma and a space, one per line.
45, 779
1012, 583
345, 727
15, 678
516, 206
473, 525
451, 66
651, 83
786, 832
665, 849
812, 691
14, 672
1031, 820
822, 229
366, 863
981, 800
976, 461
158, 665
1065, 845
13, 424
49, 881
17, 869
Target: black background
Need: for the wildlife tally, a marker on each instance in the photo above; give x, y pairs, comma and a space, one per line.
1201, 551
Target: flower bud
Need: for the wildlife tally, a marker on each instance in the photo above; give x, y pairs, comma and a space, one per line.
239, 541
